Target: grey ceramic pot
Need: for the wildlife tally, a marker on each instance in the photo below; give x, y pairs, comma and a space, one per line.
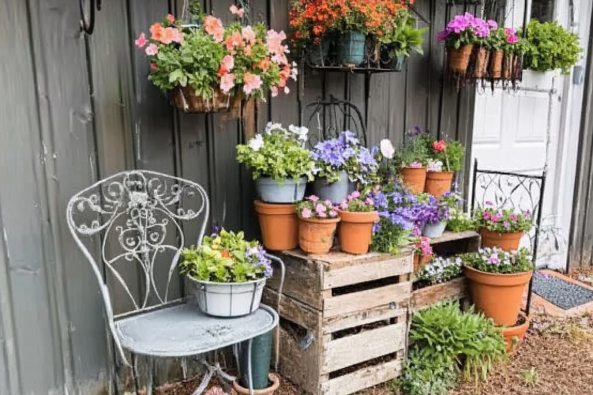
335, 191
288, 191
434, 231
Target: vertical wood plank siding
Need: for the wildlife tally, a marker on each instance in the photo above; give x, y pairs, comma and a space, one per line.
75, 109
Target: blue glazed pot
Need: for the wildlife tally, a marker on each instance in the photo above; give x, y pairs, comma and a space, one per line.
261, 356
351, 48
434, 231
318, 54
336, 191
287, 191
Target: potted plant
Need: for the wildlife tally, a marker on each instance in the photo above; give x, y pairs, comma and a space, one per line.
497, 280
435, 217
445, 159
338, 163
411, 159
208, 67
318, 220
400, 40
422, 253
496, 43
228, 272
357, 217
459, 37
439, 271
281, 167
502, 228
352, 30
481, 52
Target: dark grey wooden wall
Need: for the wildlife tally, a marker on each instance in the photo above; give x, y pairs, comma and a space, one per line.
74, 109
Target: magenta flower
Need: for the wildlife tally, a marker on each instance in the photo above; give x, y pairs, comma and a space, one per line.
494, 259
492, 24
355, 194
489, 203
513, 217
313, 198
486, 215
306, 213
512, 39
495, 218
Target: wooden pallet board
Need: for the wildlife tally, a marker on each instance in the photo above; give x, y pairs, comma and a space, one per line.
453, 290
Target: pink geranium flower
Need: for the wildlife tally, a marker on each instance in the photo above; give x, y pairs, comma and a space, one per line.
170, 18
486, 215
228, 62
252, 82
227, 82
306, 213
313, 198
141, 41
152, 50
495, 218
355, 194
274, 42
240, 12
248, 35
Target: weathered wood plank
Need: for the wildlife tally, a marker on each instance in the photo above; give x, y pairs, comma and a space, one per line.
295, 311
303, 280
358, 318
351, 350
297, 365
358, 301
452, 236
453, 290
363, 378
367, 271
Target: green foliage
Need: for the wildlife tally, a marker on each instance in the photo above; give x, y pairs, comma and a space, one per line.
460, 221
495, 260
358, 203
225, 258
551, 47
530, 377
451, 156
439, 271
313, 208
503, 220
276, 153
497, 39
424, 375
402, 37
413, 150
390, 238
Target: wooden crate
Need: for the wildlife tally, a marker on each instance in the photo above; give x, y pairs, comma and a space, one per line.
456, 243
343, 320
454, 290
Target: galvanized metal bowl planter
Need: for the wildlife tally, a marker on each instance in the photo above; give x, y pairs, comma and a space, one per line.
281, 192
228, 299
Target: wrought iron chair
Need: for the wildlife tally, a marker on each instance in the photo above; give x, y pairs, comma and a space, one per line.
125, 220
512, 191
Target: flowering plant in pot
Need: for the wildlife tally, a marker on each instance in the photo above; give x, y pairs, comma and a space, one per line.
318, 220
281, 167
339, 162
401, 39
229, 273
446, 157
502, 228
209, 67
434, 217
410, 160
422, 253
478, 66
440, 270
358, 215
497, 281
459, 37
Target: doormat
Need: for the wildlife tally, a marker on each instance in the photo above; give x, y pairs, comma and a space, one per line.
561, 293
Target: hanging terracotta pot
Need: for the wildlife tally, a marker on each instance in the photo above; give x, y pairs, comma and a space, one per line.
420, 261
504, 241
496, 64
356, 231
498, 296
507, 66
438, 182
186, 99
481, 62
514, 334
279, 225
458, 59
413, 178
316, 236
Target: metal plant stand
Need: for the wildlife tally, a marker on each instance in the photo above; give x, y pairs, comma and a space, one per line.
133, 222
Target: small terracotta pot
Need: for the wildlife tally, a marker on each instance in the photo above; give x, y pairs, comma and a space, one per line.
481, 62
279, 225
504, 241
496, 64
316, 236
517, 331
267, 391
356, 230
458, 59
498, 296
420, 261
414, 178
438, 182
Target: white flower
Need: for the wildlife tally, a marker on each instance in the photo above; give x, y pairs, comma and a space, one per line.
435, 165
256, 143
274, 127
301, 132
286, 90
387, 149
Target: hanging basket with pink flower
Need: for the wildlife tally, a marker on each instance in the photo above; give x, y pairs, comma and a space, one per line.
208, 67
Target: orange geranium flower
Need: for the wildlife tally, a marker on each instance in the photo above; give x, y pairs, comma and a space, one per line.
156, 32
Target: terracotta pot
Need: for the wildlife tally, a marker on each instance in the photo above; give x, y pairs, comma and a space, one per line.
186, 99
420, 261
279, 225
517, 331
458, 59
496, 64
504, 241
498, 296
481, 62
507, 66
268, 391
316, 236
438, 182
356, 231
414, 178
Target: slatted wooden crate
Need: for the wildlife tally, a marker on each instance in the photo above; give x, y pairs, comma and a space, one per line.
343, 319
454, 290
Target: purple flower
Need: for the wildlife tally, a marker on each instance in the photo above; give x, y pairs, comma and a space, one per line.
492, 24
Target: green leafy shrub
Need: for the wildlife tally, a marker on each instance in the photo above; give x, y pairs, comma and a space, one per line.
424, 375
551, 47
460, 221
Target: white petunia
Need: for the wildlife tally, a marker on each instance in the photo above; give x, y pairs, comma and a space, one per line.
435, 165
301, 131
387, 149
277, 127
256, 143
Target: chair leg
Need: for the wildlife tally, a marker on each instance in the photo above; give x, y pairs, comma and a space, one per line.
135, 374
150, 380
249, 370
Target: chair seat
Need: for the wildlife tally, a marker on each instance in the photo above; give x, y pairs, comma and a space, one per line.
183, 330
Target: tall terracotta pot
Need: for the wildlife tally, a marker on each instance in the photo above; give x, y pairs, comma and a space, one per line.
481, 62
356, 231
498, 296
496, 64
438, 182
414, 178
458, 59
279, 225
504, 241
316, 236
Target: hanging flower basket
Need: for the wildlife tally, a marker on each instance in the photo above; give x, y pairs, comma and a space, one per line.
458, 59
507, 66
481, 56
186, 99
496, 59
